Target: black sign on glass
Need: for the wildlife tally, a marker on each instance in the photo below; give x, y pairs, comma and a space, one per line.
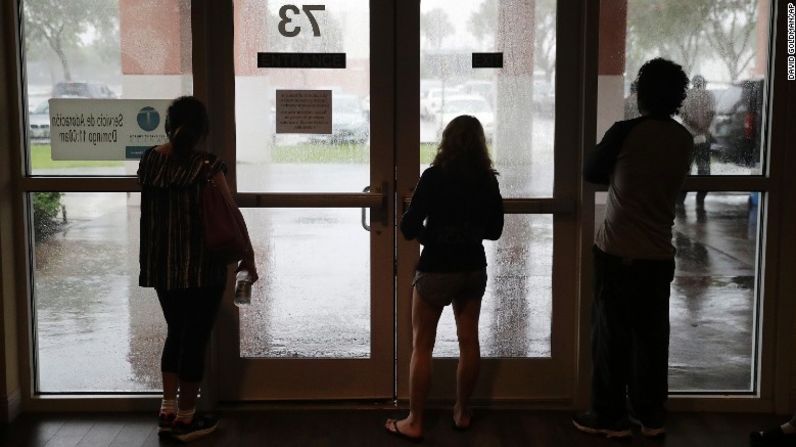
487, 60
301, 60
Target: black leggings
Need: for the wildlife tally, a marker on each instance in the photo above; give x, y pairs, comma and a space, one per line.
190, 314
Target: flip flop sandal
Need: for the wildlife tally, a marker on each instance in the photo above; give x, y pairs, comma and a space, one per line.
772, 437
404, 436
463, 428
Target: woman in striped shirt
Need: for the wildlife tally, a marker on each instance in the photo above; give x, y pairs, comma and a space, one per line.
188, 280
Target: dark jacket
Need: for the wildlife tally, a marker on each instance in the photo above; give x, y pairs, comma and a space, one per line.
459, 214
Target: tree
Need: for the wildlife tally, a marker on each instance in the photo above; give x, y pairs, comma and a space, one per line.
61, 25
545, 37
730, 30
46, 206
436, 26
483, 24
678, 30
667, 28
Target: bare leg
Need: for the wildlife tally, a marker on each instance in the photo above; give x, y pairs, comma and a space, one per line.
424, 330
466, 312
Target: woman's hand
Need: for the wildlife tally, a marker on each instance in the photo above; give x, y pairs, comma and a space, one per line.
249, 265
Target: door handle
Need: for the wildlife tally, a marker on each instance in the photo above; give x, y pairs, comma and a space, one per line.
364, 209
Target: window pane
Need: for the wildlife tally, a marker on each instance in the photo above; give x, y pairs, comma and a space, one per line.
121, 49
517, 307
313, 299
515, 104
723, 42
714, 292
96, 330
268, 161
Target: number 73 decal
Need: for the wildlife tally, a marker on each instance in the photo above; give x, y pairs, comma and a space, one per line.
294, 11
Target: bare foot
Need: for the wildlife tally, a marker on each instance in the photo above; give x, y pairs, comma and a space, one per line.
404, 427
462, 416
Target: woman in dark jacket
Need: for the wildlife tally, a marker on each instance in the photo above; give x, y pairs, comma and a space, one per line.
189, 281
459, 200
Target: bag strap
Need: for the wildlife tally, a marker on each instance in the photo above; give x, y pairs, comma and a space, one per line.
204, 171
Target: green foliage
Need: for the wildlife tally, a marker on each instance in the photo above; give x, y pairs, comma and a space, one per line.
63, 25
337, 153
730, 31
321, 153
484, 24
436, 26
666, 28
46, 206
41, 158
684, 31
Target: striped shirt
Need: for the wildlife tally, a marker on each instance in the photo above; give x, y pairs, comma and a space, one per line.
172, 253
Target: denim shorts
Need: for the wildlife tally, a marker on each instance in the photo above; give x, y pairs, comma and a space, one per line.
440, 289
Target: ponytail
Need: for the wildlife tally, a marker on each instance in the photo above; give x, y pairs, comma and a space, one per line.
186, 124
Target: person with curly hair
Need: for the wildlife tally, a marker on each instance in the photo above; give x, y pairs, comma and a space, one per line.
644, 162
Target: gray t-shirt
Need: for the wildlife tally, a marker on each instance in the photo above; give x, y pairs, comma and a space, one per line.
644, 161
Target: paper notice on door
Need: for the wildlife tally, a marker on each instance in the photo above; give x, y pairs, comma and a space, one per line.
106, 129
304, 111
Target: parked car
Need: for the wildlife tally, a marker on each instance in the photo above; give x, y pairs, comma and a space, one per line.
737, 126
469, 105
431, 103
82, 90
484, 89
39, 122
349, 121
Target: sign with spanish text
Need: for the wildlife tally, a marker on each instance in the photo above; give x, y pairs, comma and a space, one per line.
106, 129
304, 111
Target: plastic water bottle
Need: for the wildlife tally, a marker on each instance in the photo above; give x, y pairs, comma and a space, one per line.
243, 288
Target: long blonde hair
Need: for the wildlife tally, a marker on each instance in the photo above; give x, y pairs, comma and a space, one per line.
463, 148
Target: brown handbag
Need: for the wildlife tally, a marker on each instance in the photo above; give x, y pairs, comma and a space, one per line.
225, 236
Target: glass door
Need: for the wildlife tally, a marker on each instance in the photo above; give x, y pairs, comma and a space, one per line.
497, 60
330, 317
314, 170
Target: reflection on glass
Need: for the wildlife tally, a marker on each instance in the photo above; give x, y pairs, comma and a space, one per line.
713, 297
271, 162
726, 44
96, 330
121, 49
517, 307
313, 296
515, 104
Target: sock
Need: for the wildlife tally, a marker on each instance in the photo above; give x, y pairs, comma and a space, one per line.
787, 428
168, 406
185, 416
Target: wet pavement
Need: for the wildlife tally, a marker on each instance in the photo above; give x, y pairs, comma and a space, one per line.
97, 330
713, 304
